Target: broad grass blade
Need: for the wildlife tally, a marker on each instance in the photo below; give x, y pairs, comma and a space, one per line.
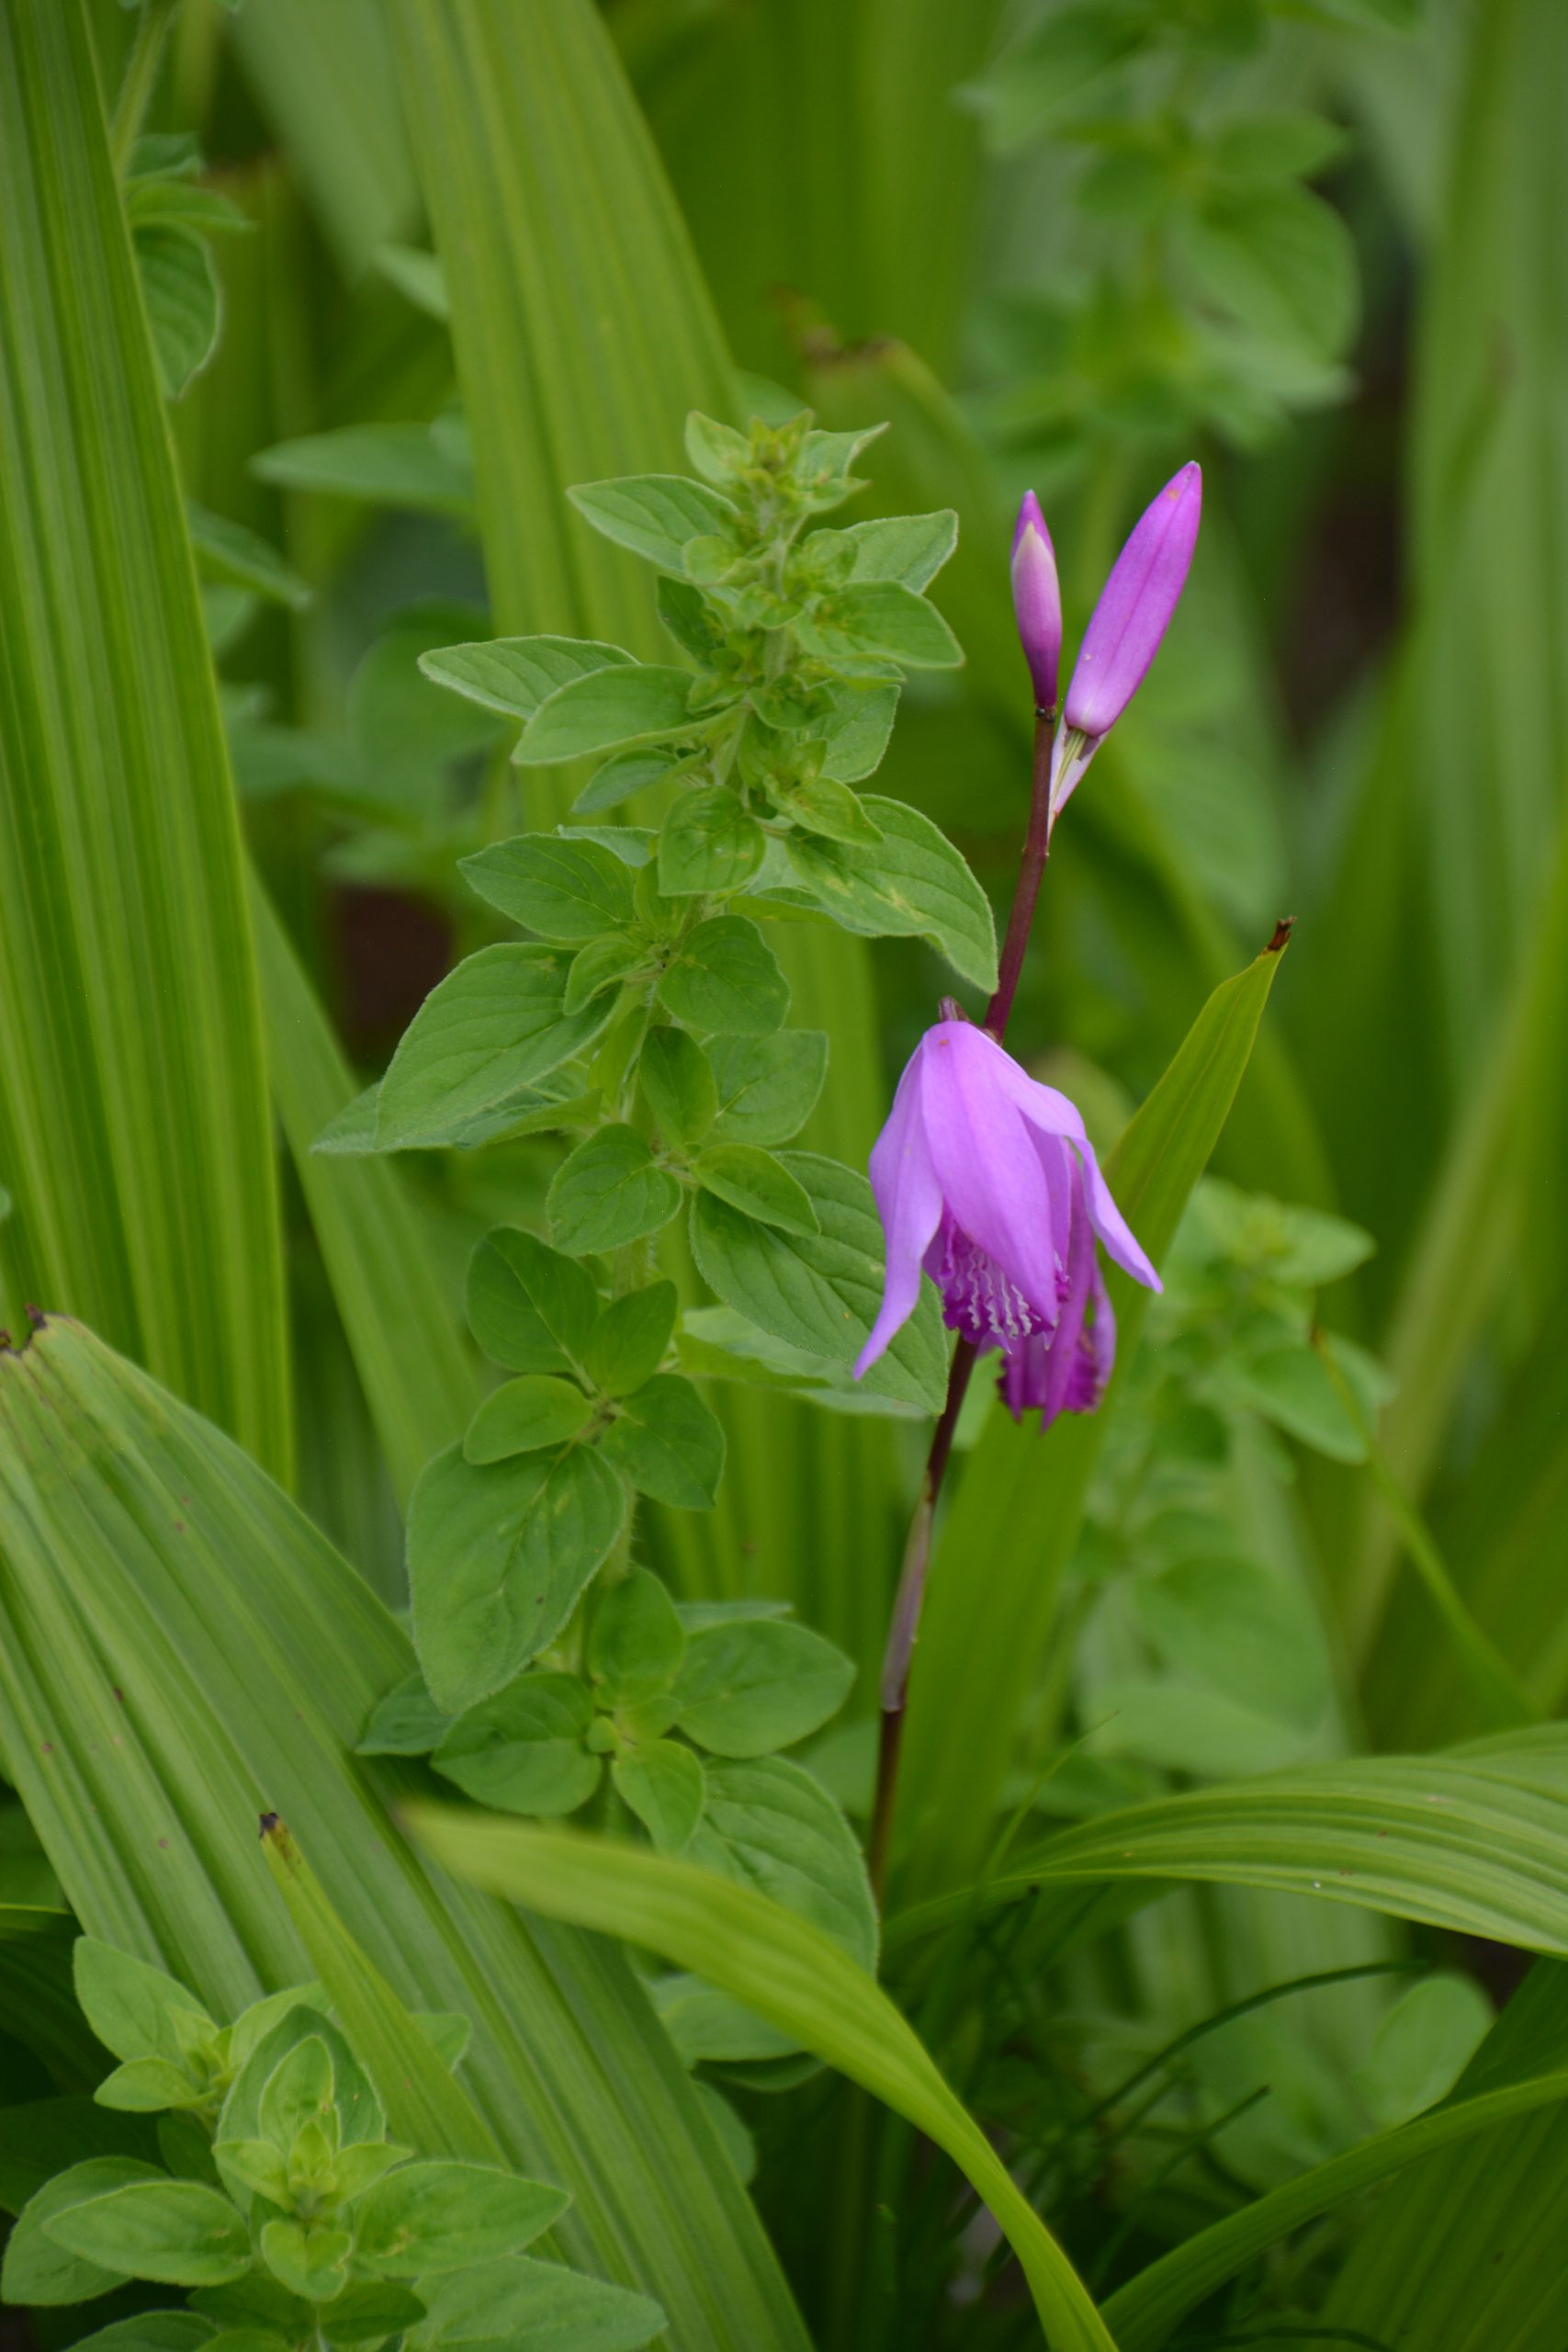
890, 150
327, 84
583, 328
134, 1129
1473, 1840
1496, 2281
1495, 1194
180, 1652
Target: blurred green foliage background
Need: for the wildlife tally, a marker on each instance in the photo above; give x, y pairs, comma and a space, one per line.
492, 247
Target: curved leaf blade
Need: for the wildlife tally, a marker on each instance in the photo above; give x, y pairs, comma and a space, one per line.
1475, 1840
789, 1973
1021, 1498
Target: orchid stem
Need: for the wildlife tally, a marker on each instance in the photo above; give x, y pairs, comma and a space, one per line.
905, 1628
1031, 874
904, 1631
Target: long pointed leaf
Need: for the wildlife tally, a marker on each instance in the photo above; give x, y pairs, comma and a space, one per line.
1473, 1840
1000, 1558
134, 1130
785, 1969
181, 1651
424, 2105
1495, 2284
1145, 2313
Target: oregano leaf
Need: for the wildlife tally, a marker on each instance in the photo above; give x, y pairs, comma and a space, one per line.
610, 1190
499, 1555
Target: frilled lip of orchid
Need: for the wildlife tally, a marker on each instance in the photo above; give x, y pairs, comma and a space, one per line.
978, 1151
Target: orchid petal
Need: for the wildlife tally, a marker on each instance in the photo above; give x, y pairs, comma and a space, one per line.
1021, 1377
1067, 1339
1135, 606
909, 1199
1053, 1116
985, 1162
1111, 1225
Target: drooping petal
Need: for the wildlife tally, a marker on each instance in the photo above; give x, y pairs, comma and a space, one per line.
1022, 1377
1060, 1171
1066, 1370
1101, 1337
984, 1159
1135, 605
908, 1200
1054, 1117
1044, 1107
1067, 1339
1111, 1224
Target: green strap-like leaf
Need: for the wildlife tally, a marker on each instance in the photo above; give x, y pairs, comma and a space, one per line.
419, 1380
181, 1651
327, 84
1476, 1840
786, 1970
583, 330
1145, 2313
997, 1568
134, 1129
424, 2106
1413, 2279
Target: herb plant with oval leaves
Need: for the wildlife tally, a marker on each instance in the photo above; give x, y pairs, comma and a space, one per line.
250, 2166
644, 1020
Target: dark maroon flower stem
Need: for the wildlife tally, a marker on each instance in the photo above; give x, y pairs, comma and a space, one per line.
903, 1630
1032, 873
906, 1625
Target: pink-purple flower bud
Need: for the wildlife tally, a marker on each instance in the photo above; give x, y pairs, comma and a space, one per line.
1135, 606
1037, 601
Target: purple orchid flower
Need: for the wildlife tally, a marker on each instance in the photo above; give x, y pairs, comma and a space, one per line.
1037, 602
987, 1181
1066, 1370
1127, 624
